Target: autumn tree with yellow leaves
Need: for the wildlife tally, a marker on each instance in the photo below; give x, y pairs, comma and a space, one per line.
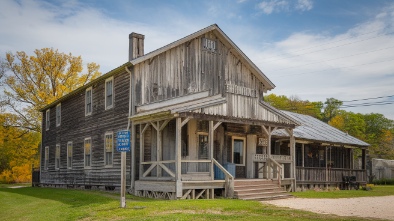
29, 83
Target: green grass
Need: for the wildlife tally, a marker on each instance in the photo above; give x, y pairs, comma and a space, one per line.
376, 191
68, 204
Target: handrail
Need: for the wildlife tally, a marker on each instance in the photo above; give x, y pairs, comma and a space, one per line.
222, 168
196, 161
278, 171
162, 161
229, 179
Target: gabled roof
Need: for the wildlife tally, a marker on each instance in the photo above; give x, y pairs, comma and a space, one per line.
312, 129
225, 39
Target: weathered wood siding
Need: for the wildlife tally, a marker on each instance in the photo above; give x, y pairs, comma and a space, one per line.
75, 127
189, 68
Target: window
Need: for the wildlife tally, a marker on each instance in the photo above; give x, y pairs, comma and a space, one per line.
109, 91
57, 157
47, 122
109, 148
69, 155
58, 114
88, 101
239, 151
88, 151
209, 44
46, 160
202, 146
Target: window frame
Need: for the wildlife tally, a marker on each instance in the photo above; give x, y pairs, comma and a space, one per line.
57, 157
105, 149
47, 119
58, 114
111, 79
46, 158
90, 153
243, 150
199, 155
88, 112
69, 161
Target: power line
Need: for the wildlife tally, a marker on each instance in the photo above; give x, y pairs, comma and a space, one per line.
334, 68
372, 98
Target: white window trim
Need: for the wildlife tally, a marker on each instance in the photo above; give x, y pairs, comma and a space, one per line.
105, 150
84, 153
91, 101
46, 158
58, 122
105, 93
57, 167
69, 143
243, 149
47, 119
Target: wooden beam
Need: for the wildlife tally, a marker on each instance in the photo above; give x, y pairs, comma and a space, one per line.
216, 125
167, 169
164, 124
210, 140
149, 169
185, 121
178, 155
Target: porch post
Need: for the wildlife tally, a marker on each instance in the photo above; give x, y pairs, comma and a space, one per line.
158, 150
267, 164
133, 158
364, 159
326, 150
292, 153
210, 140
178, 154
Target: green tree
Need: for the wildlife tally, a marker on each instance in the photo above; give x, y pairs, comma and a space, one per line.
30, 83
295, 104
331, 108
37, 80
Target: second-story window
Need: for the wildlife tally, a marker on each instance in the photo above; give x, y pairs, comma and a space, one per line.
109, 92
58, 114
88, 101
47, 122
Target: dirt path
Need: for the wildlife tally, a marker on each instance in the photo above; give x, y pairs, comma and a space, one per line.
371, 207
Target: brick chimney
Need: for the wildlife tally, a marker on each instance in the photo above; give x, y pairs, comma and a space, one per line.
136, 45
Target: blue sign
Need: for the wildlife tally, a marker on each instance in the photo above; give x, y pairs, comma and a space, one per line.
123, 141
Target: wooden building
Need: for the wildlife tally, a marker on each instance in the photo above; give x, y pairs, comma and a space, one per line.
199, 125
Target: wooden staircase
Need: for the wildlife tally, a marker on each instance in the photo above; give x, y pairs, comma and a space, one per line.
259, 189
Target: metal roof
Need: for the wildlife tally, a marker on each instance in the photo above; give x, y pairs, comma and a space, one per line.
312, 129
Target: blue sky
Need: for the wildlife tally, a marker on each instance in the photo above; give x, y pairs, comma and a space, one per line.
312, 49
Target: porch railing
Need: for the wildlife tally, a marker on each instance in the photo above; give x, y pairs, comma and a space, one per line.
316, 174
275, 165
264, 157
155, 169
229, 180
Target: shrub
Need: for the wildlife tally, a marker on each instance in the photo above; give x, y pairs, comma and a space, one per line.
383, 181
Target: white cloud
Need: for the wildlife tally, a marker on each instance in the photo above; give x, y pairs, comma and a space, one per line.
276, 6
355, 64
304, 5
78, 29
269, 7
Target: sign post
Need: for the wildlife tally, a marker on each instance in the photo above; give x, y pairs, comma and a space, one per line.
123, 146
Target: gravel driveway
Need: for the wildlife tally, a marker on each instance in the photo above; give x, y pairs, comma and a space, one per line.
371, 207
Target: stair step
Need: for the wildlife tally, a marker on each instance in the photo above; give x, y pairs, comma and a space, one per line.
261, 198
255, 186
261, 193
